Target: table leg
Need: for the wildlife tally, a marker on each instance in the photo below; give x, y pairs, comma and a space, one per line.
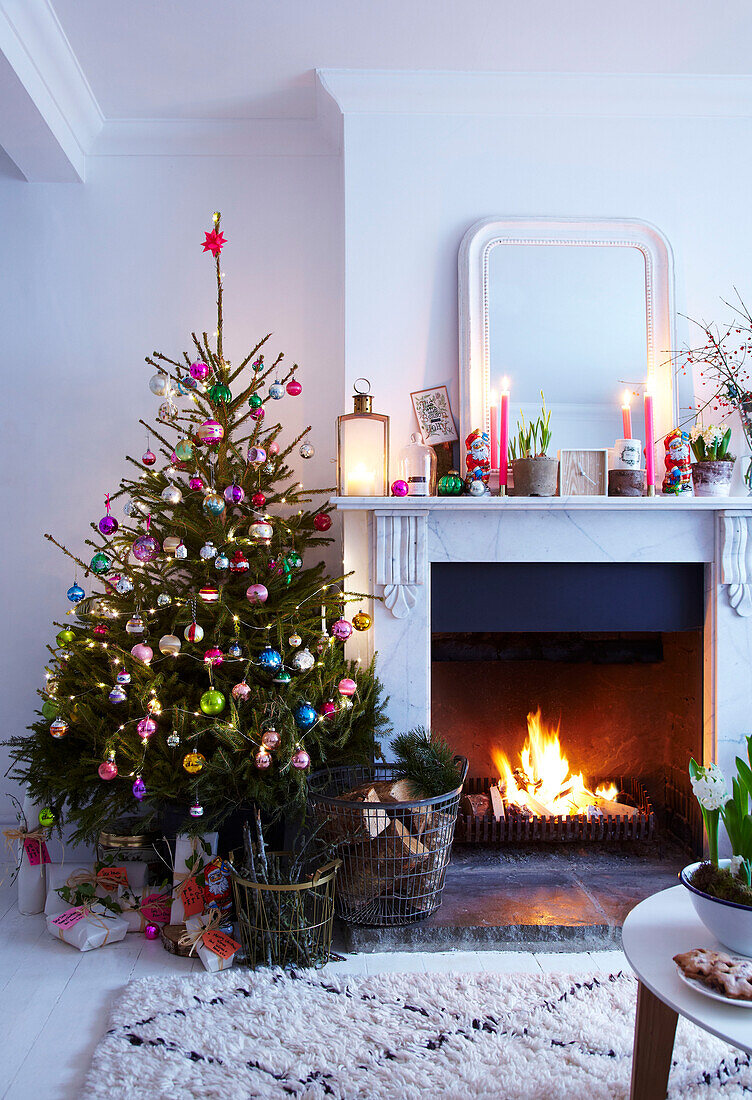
655, 1027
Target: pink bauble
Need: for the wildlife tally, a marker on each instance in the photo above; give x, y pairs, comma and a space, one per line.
400, 488
142, 652
301, 759
329, 709
322, 521
259, 413
342, 629
274, 448
146, 727
199, 371
151, 931
145, 548
196, 484
107, 769
241, 691
257, 593
214, 657
294, 387
262, 759
101, 629
347, 686
148, 458
210, 432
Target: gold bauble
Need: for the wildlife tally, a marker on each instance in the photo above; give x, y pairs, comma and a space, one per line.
193, 762
362, 620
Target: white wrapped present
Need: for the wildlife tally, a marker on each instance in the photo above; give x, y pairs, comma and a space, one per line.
192, 853
86, 929
106, 880
215, 949
142, 907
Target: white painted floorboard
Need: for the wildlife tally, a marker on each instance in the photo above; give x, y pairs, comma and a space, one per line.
55, 1001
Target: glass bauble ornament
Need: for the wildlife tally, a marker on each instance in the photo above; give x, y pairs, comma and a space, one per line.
145, 548
124, 586
65, 636
171, 543
75, 593
199, 371
273, 449
193, 762
173, 740
212, 702
239, 562
294, 387
134, 508
196, 484
46, 818
171, 494
214, 504
258, 364
258, 500
255, 400
258, 414
214, 657
342, 629
169, 644
168, 411
151, 931
400, 488
294, 640
235, 650
59, 727
270, 739
362, 620
276, 391
294, 559
221, 562
49, 710
101, 629
307, 450
100, 563
282, 677
451, 484
145, 728
148, 458
123, 678
164, 599
159, 384
209, 594
303, 660
261, 532
181, 552
262, 760
329, 709
135, 625
270, 659
108, 525
234, 494
139, 789
210, 433
108, 769
305, 715
256, 456
257, 593
241, 692
142, 652
208, 551
300, 760
118, 694
477, 487
347, 687
322, 522
219, 393
196, 810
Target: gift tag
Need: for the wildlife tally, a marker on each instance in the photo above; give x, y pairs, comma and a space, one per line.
220, 943
36, 851
112, 876
156, 908
192, 897
68, 918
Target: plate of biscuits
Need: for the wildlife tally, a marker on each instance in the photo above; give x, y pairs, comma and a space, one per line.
725, 978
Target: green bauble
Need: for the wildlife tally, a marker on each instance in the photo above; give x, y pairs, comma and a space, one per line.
65, 637
255, 401
294, 559
220, 393
100, 563
49, 710
184, 451
46, 818
212, 702
450, 484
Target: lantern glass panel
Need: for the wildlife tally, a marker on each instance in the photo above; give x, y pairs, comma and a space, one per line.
363, 449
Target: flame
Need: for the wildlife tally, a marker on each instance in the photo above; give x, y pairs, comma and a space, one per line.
543, 783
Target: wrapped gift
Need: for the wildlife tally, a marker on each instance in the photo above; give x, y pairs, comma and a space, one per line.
140, 908
32, 858
107, 881
192, 854
215, 949
86, 928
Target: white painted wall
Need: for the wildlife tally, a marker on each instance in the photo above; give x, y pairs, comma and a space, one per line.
97, 275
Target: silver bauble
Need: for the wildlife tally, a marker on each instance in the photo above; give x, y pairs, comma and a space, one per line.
208, 551
159, 384
171, 494
303, 660
124, 586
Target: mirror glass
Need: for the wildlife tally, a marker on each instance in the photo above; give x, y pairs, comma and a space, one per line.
570, 320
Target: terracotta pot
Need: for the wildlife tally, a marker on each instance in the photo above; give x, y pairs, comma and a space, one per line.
535, 477
712, 478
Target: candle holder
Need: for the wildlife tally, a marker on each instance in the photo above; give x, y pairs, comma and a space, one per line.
363, 448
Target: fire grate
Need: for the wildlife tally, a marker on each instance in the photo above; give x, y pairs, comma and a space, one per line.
515, 828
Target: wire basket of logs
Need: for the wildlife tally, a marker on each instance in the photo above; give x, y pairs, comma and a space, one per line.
284, 923
394, 849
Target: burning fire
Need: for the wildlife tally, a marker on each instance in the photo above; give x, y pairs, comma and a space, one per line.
542, 783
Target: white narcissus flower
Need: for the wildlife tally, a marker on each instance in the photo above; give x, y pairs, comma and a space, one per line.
710, 788
736, 865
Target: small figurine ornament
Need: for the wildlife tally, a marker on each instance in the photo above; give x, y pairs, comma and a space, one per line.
217, 885
478, 457
678, 477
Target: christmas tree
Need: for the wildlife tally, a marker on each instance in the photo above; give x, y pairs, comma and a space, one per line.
208, 674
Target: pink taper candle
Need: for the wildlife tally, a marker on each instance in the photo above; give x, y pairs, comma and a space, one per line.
504, 439
649, 445
626, 416
494, 433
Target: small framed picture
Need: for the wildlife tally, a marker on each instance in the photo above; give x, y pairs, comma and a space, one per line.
583, 473
434, 415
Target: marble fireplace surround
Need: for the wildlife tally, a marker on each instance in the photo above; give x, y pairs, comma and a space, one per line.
390, 545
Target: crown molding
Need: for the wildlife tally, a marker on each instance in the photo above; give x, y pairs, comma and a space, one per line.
525, 95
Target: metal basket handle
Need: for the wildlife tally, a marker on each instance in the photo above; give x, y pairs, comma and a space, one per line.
333, 864
462, 764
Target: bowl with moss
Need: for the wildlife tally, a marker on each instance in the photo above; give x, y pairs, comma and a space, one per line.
722, 902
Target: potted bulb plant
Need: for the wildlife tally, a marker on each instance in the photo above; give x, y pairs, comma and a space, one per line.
721, 889
535, 474
713, 465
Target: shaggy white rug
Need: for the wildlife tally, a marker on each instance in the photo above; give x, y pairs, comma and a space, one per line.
238, 1035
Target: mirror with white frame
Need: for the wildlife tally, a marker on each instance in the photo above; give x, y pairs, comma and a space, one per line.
582, 310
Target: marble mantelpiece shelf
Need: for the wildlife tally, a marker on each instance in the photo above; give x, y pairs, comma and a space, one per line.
544, 504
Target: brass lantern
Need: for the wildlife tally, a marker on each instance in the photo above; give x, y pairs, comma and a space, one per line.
363, 448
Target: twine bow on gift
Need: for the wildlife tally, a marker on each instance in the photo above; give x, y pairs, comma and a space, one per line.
88, 913
209, 922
